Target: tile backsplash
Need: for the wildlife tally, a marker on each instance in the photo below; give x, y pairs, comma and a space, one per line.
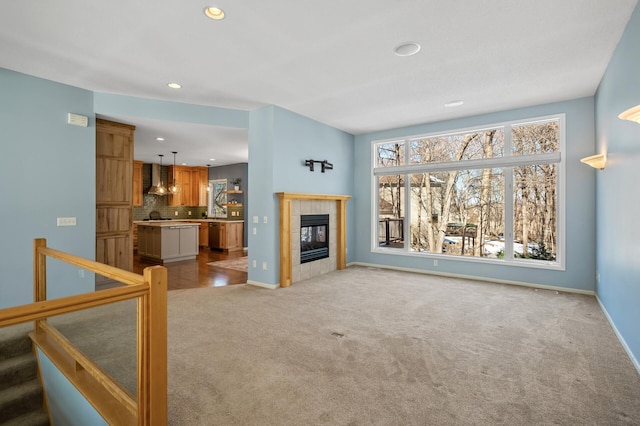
159, 203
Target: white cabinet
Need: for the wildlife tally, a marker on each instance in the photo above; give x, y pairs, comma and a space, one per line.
168, 243
189, 240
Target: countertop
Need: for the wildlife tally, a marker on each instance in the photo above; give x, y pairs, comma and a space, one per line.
167, 223
178, 222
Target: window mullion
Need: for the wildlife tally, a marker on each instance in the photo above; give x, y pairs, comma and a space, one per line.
407, 212
480, 163
508, 213
508, 198
407, 197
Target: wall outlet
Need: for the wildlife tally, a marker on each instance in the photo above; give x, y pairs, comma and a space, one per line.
175, 213
255, 219
189, 212
435, 262
253, 263
264, 219
264, 266
255, 231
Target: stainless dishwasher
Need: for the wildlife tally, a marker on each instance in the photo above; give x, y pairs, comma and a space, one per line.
214, 235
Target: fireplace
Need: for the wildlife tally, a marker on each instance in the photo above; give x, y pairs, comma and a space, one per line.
314, 237
294, 205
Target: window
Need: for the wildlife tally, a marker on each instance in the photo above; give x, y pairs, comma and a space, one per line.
217, 198
485, 194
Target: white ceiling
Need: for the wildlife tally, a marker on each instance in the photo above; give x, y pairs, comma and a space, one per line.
329, 60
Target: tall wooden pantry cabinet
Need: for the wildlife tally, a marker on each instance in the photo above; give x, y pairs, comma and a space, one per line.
114, 198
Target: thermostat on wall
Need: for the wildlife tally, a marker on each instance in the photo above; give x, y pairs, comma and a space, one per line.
77, 119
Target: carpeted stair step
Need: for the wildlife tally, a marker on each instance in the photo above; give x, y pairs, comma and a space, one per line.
16, 370
34, 418
20, 399
14, 345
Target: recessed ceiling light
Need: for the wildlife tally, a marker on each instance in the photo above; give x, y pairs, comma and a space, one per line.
212, 159
174, 85
184, 164
453, 104
214, 13
159, 138
407, 49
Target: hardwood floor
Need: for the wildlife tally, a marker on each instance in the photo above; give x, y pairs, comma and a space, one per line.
196, 273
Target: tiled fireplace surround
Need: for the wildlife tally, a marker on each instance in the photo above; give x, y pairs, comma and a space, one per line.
292, 206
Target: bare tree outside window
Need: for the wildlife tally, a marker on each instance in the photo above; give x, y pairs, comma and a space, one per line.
458, 207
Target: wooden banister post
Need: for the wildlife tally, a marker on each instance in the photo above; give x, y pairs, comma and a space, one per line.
39, 276
39, 271
152, 349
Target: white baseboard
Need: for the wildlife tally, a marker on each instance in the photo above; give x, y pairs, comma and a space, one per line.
623, 342
263, 285
474, 278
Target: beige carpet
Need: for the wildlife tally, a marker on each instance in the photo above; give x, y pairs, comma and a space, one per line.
238, 263
366, 346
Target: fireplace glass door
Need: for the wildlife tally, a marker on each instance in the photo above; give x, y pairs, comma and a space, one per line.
314, 237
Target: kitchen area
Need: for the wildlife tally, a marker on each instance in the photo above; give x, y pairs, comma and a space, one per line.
200, 216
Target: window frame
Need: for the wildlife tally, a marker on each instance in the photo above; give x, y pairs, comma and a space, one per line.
507, 162
211, 212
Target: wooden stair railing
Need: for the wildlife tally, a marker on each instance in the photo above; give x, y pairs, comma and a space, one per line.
114, 403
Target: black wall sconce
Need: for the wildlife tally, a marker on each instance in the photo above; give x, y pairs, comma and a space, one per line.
324, 163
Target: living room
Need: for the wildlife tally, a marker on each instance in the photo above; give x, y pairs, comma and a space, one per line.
600, 234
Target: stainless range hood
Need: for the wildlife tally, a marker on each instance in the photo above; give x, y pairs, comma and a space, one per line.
157, 188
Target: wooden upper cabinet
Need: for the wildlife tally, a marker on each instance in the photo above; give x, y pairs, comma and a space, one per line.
175, 199
195, 186
182, 176
137, 183
203, 196
193, 183
184, 180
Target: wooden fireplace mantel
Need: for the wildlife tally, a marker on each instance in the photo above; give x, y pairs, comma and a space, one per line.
285, 230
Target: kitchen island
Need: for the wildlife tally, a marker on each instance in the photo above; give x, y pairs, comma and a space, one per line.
168, 241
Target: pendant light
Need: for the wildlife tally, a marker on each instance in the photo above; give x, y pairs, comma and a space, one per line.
159, 189
174, 189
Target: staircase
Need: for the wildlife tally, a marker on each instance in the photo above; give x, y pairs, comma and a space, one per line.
21, 394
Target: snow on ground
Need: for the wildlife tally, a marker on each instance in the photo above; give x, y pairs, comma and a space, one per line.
493, 247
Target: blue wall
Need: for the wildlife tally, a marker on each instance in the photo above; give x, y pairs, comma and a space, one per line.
618, 203
44, 167
580, 201
279, 142
61, 395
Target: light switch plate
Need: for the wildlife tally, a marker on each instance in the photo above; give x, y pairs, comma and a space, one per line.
66, 221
